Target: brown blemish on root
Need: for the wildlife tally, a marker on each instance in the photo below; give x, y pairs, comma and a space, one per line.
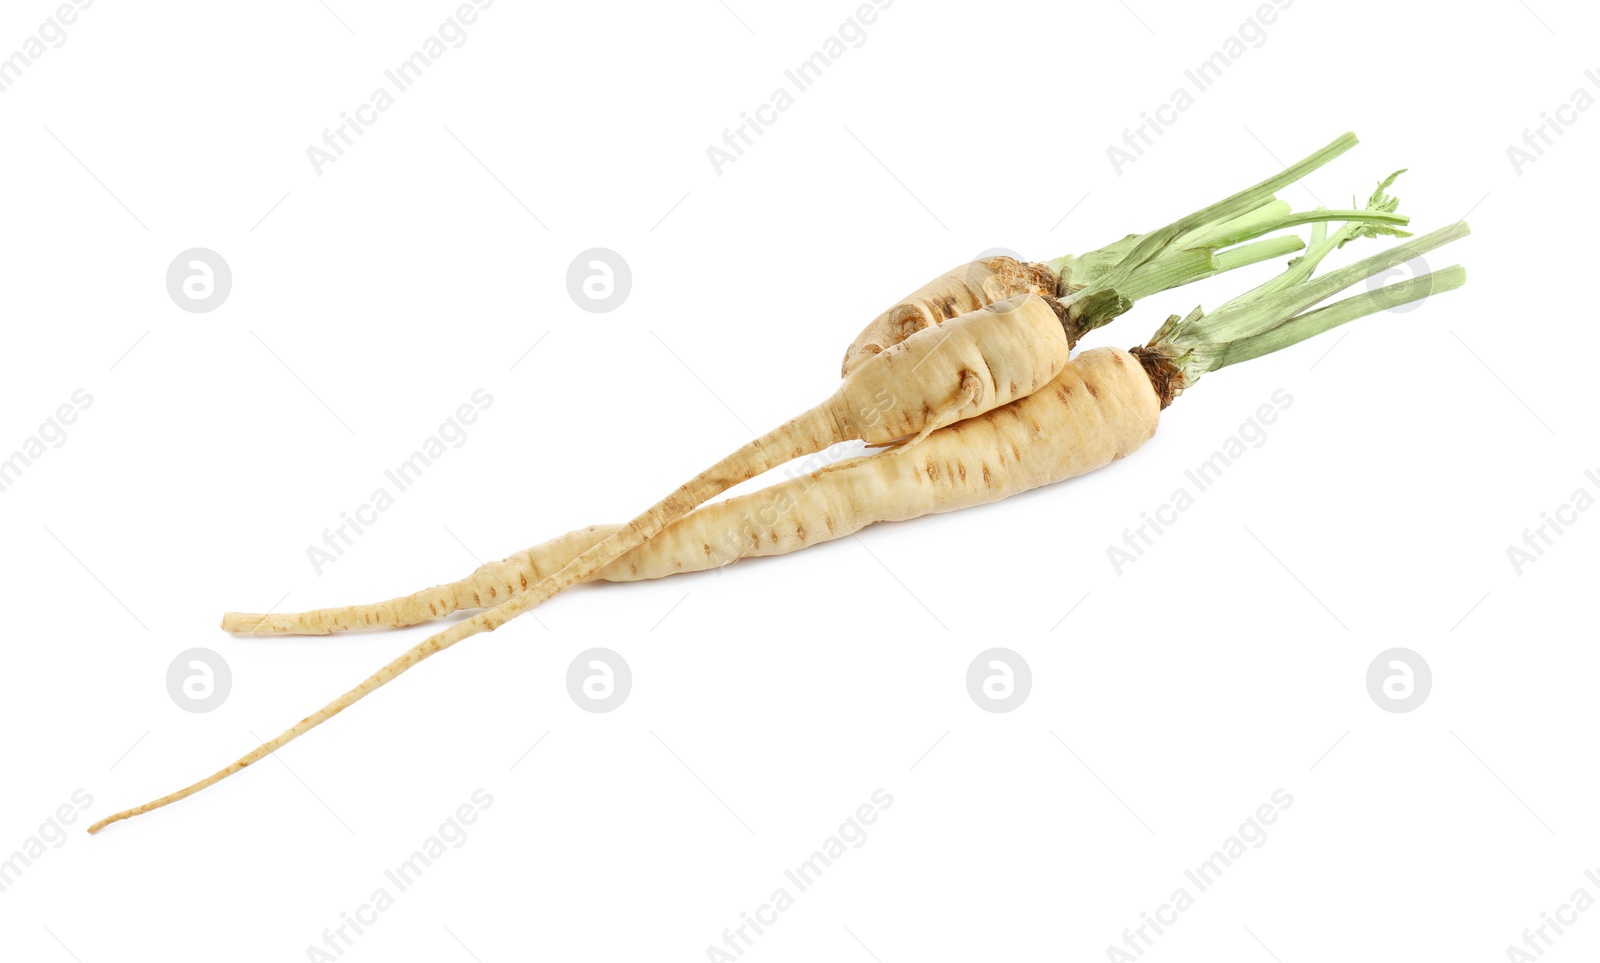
1023, 277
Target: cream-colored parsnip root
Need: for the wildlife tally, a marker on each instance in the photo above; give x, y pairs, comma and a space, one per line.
984, 359
993, 420
1102, 401
1030, 442
1103, 406
1092, 289
1100, 408
962, 369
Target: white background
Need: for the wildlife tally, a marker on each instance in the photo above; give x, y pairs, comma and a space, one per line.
772, 699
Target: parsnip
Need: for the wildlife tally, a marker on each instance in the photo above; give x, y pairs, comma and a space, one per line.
970, 365
1102, 397
975, 284
993, 407
1034, 441
986, 358
1101, 407
1098, 409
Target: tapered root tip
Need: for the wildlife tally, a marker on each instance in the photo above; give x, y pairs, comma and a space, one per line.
106, 822
248, 623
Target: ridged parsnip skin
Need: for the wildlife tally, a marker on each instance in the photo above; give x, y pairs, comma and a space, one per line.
926, 379
974, 363
492, 582
1063, 430
997, 354
953, 293
1100, 408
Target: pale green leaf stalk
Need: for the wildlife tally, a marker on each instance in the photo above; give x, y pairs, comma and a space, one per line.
1275, 315
1102, 284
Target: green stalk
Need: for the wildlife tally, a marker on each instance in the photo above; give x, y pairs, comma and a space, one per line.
1179, 266
1274, 316
1104, 283
1183, 267
1245, 225
1230, 207
1321, 245
1313, 323
1173, 270
1247, 316
1256, 251
1316, 216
